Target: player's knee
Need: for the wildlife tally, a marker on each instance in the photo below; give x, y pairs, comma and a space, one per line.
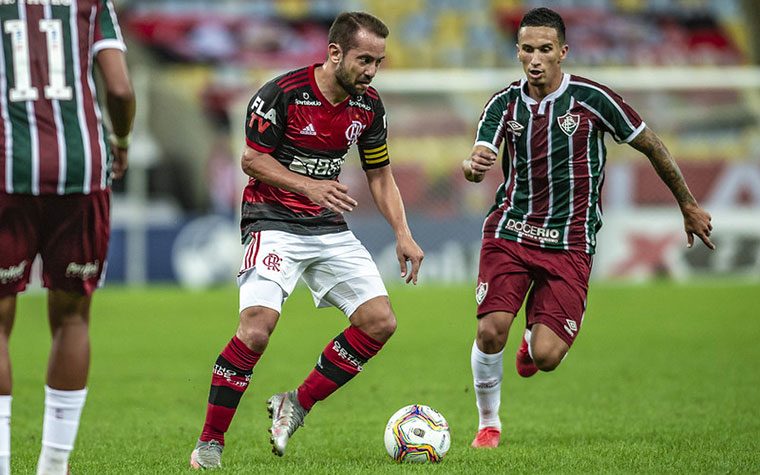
491, 338
255, 338
255, 328
384, 326
547, 359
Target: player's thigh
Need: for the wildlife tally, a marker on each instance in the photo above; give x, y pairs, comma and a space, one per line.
272, 263
558, 297
503, 279
20, 224
345, 276
74, 244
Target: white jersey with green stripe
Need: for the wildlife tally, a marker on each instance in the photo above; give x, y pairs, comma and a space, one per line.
553, 161
52, 138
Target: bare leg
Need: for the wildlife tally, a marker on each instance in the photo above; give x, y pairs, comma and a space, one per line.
69, 362
375, 318
548, 349
7, 315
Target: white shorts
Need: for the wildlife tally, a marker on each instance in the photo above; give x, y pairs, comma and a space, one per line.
336, 267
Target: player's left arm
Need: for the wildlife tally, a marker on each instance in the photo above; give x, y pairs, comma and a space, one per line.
385, 193
695, 219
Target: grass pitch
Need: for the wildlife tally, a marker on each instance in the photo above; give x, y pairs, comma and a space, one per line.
663, 378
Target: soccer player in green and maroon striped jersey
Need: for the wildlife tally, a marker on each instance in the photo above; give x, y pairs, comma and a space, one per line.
56, 166
540, 233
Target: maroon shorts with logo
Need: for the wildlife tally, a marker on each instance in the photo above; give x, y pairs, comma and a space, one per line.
69, 232
560, 284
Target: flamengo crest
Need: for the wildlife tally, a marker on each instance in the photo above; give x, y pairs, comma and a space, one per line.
272, 261
354, 131
569, 123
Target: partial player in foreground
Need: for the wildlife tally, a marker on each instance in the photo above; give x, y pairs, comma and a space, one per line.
56, 167
299, 127
540, 234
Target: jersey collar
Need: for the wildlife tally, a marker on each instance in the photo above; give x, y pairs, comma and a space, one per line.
529, 101
318, 92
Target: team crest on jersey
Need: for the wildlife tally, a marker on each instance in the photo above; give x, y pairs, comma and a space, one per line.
480, 292
515, 127
569, 123
354, 131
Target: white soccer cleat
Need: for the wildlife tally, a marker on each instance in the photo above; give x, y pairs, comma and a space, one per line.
287, 415
207, 455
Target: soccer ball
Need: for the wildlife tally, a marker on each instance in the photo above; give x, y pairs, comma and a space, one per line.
417, 433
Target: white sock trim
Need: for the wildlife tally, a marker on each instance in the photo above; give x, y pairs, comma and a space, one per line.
527, 339
63, 409
486, 358
5, 432
487, 374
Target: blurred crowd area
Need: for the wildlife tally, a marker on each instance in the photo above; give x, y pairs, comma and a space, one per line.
443, 33
689, 67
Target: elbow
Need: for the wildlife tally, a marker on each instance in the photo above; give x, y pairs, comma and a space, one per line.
121, 91
248, 165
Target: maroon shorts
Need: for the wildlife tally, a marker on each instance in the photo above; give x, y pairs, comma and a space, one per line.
69, 232
559, 278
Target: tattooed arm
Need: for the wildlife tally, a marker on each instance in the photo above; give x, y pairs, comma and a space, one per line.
695, 219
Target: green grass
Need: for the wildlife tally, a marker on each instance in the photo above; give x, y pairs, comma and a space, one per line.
663, 378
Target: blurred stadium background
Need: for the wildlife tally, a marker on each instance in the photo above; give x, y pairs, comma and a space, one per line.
690, 67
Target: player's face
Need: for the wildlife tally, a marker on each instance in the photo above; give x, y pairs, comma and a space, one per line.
541, 55
359, 65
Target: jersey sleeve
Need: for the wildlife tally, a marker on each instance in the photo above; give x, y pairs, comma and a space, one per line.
621, 120
373, 147
490, 130
266, 118
107, 33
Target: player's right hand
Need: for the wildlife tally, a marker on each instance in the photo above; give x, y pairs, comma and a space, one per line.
330, 194
481, 160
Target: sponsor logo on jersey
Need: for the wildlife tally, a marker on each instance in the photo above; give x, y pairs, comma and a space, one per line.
264, 119
571, 327
569, 123
480, 292
316, 166
308, 130
299, 102
272, 262
84, 271
12, 273
536, 232
354, 131
358, 103
515, 127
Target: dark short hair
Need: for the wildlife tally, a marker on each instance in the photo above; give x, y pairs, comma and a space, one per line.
344, 28
545, 17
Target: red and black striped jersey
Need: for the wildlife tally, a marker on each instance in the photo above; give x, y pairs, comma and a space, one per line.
52, 138
291, 120
553, 161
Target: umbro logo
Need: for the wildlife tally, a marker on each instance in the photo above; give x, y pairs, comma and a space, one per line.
515, 127
308, 130
571, 327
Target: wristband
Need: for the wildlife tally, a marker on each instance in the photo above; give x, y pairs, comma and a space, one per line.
121, 142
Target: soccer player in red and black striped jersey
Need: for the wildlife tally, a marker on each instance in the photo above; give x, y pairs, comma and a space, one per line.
56, 167
541, 230
299, 127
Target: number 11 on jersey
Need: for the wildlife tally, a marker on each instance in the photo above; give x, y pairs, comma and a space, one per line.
22, 89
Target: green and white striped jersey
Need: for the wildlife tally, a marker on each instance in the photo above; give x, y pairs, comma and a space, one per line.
52, 138
553, 161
